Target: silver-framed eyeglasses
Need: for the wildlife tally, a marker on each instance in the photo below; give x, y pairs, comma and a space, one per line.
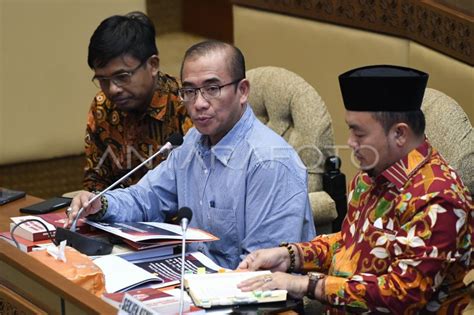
209, 92
119, 79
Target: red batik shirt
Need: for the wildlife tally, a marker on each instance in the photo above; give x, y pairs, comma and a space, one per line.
405, 244
117, 141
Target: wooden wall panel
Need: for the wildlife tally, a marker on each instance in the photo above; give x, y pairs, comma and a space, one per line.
209, 18
429, 22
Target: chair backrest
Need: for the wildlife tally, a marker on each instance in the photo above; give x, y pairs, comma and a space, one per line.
449, 130
292, 108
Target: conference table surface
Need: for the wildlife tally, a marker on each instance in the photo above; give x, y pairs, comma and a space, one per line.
69, 290
31, 281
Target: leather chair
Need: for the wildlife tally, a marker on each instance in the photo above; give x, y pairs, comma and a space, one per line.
292, 108
449, 130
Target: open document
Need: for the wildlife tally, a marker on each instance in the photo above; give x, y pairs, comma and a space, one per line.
121, 275
141, 235
219, 289
169, 268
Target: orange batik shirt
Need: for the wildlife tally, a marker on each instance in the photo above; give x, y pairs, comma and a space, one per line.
405, 244
117, 141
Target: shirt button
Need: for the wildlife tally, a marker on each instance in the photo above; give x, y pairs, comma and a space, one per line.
205, 171
200, 202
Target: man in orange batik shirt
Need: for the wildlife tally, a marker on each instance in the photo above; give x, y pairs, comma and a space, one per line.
137, 107
405, 244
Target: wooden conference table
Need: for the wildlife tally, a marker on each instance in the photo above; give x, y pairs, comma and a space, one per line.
29, 287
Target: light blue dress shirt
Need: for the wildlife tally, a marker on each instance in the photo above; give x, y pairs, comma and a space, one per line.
249, 190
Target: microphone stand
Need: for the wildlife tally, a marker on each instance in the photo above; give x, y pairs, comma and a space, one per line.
168, 146
91, 246
183, 245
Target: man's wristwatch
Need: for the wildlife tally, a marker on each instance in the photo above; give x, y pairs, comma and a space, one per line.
314, 277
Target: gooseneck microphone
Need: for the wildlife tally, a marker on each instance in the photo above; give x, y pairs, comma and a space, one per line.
94, 246
184, 217
174, 140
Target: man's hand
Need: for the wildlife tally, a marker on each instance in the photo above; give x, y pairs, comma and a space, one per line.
275, 259
81, 200
295, 285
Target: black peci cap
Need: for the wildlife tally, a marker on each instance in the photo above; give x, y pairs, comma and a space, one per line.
383, 88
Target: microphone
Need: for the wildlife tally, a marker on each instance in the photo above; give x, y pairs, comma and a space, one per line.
90, 246
184, 217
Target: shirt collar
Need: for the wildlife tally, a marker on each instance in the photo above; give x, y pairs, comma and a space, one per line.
225, 147
401, 171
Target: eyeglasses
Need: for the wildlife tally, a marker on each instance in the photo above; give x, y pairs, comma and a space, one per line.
119, 79
208, 92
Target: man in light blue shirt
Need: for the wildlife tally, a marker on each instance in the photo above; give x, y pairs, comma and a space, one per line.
244, 183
